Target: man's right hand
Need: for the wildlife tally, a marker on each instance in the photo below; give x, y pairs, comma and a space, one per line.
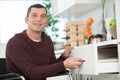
72, 63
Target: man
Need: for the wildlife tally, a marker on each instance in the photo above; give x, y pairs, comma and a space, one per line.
31, 52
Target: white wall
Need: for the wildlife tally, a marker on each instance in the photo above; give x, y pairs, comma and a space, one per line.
2, 50
12, 20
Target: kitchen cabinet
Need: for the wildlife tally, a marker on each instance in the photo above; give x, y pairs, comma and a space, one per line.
73, 8
99, 57
117, 2
102, 57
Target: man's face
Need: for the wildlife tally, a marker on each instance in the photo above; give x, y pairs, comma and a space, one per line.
37, 19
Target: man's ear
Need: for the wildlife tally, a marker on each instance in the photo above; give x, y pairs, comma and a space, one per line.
46, 23
26, 20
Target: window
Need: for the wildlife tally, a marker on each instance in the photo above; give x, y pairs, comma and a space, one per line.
12, 18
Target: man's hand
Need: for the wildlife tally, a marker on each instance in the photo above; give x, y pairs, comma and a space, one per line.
67, 51
72, 63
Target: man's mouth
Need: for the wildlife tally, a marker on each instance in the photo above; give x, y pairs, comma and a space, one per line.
38, 24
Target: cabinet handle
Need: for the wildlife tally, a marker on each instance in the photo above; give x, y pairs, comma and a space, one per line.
82, 60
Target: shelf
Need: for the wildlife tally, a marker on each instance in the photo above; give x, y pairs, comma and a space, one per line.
108, 60
73, 8
106, 43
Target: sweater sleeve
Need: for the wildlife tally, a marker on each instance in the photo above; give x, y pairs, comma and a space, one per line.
61, 58
17, 54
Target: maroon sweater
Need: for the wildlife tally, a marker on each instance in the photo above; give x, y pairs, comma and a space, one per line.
33, 60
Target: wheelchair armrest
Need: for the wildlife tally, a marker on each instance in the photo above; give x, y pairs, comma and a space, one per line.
61, 76
10, 76
66, 72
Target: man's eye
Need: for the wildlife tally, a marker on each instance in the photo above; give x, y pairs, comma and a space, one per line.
44, 16
34, 15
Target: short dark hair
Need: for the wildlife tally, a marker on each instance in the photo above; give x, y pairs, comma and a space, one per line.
35, 6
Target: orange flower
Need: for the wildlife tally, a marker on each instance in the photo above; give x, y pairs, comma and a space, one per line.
89, 21
88, 29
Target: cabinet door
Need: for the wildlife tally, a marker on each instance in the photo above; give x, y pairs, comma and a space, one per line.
89, 54
117, 3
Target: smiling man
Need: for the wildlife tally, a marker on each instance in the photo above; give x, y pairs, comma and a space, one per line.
31, 52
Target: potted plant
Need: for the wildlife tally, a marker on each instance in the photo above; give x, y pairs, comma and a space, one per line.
51, 29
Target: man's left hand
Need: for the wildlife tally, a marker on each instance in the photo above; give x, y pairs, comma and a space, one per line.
67, 51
